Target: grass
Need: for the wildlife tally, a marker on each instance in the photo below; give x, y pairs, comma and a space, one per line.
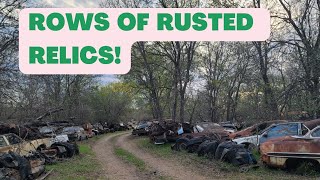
83, 166
214, 168
160, 150
130, 158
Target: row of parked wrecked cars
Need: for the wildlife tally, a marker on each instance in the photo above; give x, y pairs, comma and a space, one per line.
281, 144
26, 149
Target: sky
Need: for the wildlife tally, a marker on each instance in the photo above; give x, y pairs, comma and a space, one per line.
70, 3
105, 79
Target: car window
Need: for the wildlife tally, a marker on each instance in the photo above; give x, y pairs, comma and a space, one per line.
316, 133
2, 142
205, 125
261, 127
283, 130
66, 129
13, 139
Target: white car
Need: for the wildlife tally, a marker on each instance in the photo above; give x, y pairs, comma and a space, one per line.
60, 138
273, 131
49, 131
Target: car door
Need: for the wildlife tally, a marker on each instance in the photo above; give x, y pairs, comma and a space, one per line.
15, 143
280, 130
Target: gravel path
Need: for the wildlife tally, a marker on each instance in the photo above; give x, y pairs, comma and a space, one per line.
157, 168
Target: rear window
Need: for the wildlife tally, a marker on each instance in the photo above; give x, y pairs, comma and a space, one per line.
283, 130
316, 133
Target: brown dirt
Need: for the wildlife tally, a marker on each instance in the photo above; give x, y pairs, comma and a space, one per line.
113, 167
157, 168
164, 167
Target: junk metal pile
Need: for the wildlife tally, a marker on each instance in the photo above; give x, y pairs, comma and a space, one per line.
282, 144
26, 149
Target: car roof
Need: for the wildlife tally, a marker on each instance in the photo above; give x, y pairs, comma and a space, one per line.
312, 123
276, 124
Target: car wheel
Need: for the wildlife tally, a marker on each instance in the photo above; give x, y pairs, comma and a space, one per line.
182, 146
251, 147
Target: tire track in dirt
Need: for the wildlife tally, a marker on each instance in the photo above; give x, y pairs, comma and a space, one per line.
114, 168
164, 168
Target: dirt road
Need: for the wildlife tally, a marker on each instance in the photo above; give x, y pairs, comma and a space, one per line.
157, 168
112, 166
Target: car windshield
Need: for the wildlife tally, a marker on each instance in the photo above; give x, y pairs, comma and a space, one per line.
13, 139
316, 133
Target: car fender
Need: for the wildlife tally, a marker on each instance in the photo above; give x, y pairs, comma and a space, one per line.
248, 140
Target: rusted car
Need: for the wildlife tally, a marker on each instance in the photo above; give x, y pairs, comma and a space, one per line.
202, 132
255, 129
209, 128
88, 129
290, 151
12, 142
168, 131
75, 133
141, 129
273, 131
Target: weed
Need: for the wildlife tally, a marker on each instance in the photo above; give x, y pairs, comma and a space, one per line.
130, 158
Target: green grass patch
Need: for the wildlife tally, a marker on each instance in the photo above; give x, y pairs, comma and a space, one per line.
160, 150
83, 166
130, 158
85, 149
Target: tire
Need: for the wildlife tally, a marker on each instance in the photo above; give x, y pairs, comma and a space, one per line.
251, 147
71, 148
182, 146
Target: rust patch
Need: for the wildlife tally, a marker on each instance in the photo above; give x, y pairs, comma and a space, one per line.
276, 151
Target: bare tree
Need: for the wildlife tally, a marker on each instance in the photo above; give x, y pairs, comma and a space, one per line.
304, 19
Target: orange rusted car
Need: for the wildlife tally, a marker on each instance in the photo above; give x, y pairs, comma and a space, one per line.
88, 129
290, 151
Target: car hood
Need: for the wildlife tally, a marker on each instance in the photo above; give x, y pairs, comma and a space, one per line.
242, 139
